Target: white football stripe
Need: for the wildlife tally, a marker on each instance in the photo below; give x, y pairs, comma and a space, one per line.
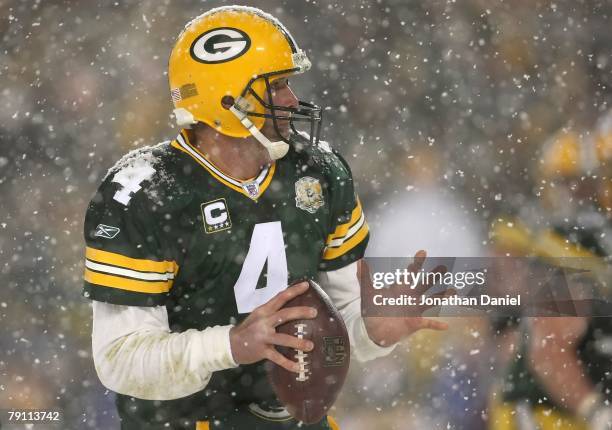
148, 276
354, 229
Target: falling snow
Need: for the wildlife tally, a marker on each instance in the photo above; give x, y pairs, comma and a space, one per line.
446, 112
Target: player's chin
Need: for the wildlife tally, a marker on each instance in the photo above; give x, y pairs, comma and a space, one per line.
285, 132
283, 129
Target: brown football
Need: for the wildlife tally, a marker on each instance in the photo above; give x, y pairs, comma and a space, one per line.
309, 394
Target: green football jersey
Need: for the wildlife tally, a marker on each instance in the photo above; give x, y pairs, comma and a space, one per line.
521, 384
168, 228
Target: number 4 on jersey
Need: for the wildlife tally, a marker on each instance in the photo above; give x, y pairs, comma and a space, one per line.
130, 179
267, 244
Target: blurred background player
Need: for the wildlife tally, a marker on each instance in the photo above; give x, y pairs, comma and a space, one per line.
560, 377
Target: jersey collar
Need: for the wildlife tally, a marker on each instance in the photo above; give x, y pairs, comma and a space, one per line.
252, 188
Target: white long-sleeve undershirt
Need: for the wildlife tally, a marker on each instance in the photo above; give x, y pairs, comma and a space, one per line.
136, 354
343, 288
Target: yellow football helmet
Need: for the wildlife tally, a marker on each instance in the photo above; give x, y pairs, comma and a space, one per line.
603, 140
567, 154
603, 144
578, 164
566, 171
220, 72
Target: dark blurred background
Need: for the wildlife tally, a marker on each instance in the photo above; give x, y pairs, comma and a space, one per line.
440, 107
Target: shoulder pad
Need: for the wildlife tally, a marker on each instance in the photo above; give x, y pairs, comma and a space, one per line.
147, 156
321, 155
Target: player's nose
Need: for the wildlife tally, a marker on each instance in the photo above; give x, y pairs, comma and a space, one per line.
286, 97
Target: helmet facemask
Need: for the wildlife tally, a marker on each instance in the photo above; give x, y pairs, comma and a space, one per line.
305, 112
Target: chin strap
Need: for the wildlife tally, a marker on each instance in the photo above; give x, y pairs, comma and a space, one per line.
276, 149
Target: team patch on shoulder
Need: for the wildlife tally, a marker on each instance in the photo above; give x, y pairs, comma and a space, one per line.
215, 216
106, 231
308, 194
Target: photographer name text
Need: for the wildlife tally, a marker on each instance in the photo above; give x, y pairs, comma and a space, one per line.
482, 300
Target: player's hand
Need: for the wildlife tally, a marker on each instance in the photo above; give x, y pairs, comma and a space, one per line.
254, 339
386, 331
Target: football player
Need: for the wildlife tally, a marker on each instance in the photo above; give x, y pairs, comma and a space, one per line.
561, 377
191, 244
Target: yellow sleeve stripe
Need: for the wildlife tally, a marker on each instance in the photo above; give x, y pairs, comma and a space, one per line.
127, 284
356, 239
107, 257
332, 423
342, 229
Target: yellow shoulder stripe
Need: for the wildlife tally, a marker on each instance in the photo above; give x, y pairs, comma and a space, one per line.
554, 248
331, 253
342, 229
554, 245
127, 284
130, 263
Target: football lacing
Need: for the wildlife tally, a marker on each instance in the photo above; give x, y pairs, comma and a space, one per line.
301, 355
